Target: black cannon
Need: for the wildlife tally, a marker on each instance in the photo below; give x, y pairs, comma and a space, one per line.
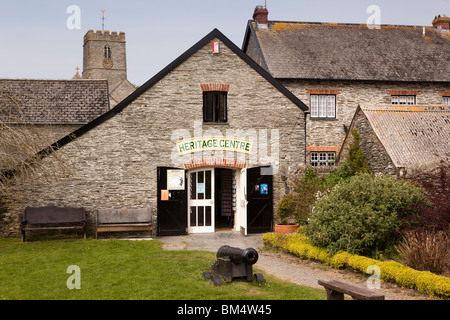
233, 264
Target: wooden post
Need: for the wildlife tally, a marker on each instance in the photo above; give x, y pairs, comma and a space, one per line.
334, 295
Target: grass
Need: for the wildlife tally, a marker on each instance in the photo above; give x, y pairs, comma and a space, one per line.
122, 270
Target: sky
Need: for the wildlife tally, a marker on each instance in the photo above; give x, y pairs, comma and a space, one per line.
38, 44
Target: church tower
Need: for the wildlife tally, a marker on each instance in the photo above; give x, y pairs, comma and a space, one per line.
104, 56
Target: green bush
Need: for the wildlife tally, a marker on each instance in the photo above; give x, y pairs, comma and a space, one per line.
307, 189
285, 209
304, 195
311, 186
361, 215
335, 176
355, 158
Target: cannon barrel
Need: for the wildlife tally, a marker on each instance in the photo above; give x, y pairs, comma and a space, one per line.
248, 256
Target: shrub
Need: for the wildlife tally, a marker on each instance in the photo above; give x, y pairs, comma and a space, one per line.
435, 180
355, 158
308, 188
285, 209
424, 281
304, 195
362, 214
340, 174
426, 251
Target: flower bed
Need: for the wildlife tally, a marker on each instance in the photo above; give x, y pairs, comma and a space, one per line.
391, 271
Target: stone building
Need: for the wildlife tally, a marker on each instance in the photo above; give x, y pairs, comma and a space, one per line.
104, 57
207, 143
334, 67
397, 138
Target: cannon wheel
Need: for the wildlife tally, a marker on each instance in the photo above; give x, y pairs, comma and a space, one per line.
259, 277
216, 280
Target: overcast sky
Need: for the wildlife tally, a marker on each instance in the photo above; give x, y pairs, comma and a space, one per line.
37, 44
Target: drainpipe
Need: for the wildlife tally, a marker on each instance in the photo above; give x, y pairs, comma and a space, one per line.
306, 117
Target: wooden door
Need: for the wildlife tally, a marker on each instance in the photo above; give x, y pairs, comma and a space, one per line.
259, 200
172, 202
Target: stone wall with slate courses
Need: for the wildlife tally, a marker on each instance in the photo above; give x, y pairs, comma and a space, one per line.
115, 164
45, 135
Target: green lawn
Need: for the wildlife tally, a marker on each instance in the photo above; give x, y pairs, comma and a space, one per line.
121, 270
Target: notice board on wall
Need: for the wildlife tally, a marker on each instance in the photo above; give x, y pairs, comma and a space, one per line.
175, 179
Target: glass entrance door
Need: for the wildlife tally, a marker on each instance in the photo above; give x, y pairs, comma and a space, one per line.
201, 201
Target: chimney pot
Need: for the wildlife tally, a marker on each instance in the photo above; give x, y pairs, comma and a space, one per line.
261, 16
442, 22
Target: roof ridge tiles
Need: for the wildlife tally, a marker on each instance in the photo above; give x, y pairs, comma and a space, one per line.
322, 23
407, 108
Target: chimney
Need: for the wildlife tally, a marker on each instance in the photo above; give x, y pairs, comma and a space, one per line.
442, 23
261, 16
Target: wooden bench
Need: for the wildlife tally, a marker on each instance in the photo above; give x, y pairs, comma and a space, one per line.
123, 220
336, 290
52, 218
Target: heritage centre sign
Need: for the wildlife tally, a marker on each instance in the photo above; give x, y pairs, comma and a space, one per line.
214, 143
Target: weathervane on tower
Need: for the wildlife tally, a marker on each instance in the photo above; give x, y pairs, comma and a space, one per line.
103, 20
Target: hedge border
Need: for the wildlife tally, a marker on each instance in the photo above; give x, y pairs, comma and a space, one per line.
391, 271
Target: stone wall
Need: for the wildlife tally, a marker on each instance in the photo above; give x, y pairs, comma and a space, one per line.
331, 133
376, 155
115, 164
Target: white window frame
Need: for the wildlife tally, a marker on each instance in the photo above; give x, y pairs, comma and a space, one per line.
322, 158
446, 100
403, 99
323, 106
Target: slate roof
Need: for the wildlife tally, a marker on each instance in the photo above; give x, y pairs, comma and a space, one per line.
119, 91
52, 101
411, 134
331, 51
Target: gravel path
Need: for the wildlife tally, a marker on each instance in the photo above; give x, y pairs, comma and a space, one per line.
282, 265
